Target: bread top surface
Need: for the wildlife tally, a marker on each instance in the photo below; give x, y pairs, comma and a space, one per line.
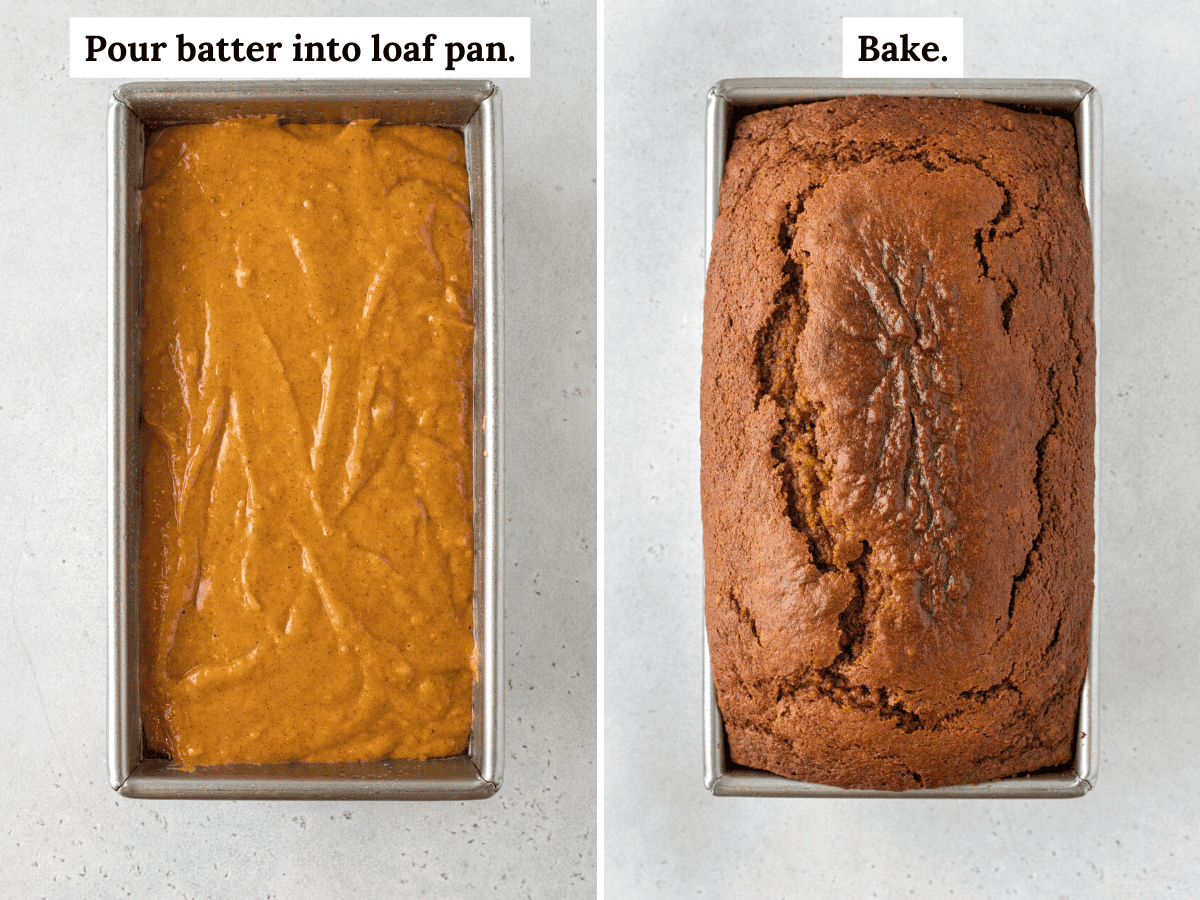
897, 429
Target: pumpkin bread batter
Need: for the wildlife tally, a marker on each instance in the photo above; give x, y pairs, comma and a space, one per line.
306, 554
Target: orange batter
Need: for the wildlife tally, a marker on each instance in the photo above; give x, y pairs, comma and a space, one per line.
306, 558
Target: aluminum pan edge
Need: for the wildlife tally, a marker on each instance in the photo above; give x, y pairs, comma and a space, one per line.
1083, 101
474, 107
124, 734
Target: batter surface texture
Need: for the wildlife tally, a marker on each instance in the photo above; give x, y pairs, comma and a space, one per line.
306, 533
897, 442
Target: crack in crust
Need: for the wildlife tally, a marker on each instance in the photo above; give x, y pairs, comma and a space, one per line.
830, 685
802, 473
992, 227
745, 616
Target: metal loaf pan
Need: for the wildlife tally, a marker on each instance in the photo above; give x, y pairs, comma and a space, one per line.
727, 102
135, 110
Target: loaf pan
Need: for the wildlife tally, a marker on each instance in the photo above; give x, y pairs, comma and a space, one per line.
136, 110
728, 101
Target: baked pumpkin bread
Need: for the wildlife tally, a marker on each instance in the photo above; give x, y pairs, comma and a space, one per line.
898, 419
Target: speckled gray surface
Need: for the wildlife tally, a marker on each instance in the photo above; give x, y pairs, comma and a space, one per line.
1138, 833
63, 832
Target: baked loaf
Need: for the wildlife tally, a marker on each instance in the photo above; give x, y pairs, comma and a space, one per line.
898, 413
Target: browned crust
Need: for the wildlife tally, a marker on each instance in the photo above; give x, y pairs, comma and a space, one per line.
897, 408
